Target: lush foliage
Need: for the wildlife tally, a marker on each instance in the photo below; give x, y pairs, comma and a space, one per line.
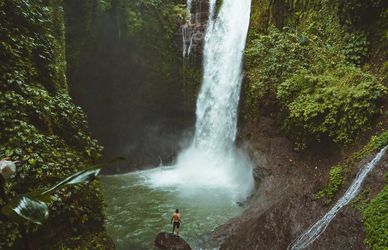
376, 142
338, 103
339, 173
375, 221
41, 126
32, 206
308, 70
336, 178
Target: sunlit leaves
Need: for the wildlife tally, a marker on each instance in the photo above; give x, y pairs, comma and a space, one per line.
338, 103
376, 220
320, 93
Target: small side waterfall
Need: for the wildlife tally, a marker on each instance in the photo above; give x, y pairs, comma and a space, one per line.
320, 226
187, 31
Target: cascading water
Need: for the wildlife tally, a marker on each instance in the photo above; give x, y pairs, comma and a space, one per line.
187, 31
320, 226
212, 174
212, 160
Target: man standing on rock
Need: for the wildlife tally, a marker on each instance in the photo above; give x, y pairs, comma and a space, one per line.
176, 218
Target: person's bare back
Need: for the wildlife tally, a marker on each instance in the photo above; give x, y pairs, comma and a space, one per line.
176, 220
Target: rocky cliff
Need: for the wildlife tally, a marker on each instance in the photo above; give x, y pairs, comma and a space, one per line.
301, 172
127, 71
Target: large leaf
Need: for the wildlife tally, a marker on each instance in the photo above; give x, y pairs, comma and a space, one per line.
26, 208
33, 207
86, 175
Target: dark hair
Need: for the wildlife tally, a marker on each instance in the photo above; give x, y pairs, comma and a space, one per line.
177, 210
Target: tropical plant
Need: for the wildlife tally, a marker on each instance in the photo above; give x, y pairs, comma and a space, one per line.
32, 206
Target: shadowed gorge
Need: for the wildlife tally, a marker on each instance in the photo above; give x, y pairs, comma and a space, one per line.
126, 70
264, 122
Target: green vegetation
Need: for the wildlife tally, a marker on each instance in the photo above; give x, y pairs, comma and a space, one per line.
375, 220
43, 128
374, 212
336, 179
33, 206
376, 142
337, 174
308, 69
137, 46
320, 65
338, 103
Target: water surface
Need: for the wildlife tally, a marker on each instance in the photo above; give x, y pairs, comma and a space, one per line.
137, 211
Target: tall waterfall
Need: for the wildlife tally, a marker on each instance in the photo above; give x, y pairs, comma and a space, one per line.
212, 160
320, 226
219, 97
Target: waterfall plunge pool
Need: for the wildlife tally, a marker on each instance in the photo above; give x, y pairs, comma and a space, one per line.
210, 175
137, 211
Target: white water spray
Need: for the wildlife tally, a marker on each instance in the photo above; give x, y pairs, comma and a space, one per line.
212, 160
320, 226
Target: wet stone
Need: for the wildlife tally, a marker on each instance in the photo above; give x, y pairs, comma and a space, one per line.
170, 241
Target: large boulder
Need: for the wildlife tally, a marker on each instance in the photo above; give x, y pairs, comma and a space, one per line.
170, 241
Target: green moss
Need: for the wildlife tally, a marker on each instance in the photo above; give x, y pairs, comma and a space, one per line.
42, 127
375, 220
336, 179
308, 70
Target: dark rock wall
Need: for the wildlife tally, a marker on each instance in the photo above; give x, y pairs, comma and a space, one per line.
127, 71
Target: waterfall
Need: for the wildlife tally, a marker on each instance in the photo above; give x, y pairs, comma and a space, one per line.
320, 226
187, 31
212, 160
219, 96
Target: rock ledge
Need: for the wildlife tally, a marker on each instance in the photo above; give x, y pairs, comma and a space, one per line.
171, 242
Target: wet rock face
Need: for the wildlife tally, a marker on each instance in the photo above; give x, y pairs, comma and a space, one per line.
193, 31
285, 205
170, 241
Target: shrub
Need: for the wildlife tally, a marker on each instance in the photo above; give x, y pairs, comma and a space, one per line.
375, 219
41, 126
338, 104
336, 179
309, 70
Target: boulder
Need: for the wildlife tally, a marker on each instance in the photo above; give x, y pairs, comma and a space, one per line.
170, 241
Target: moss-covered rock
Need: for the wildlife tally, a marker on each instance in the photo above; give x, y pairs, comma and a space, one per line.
42, 128
127, 71
307, 69
336, 179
